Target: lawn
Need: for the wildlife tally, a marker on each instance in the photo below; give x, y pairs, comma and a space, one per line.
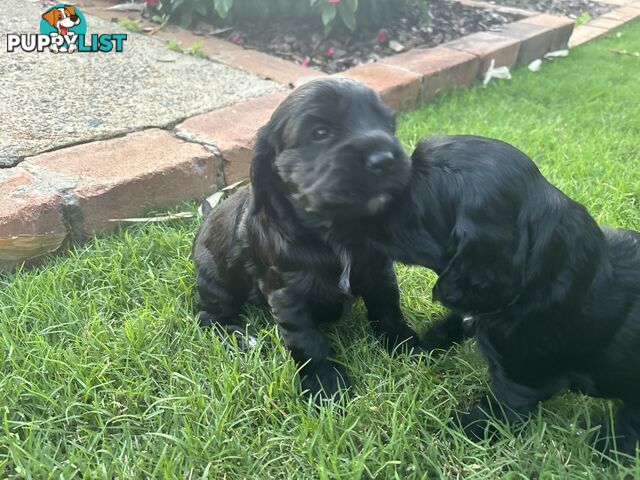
104, 372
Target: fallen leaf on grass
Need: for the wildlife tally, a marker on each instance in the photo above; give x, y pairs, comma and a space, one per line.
624, 52
233, 186
535, 65
210, 202
500, 72
162, 218
24, 247
557, 53
213, 200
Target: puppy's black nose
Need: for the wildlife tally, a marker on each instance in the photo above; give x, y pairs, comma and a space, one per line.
379, 162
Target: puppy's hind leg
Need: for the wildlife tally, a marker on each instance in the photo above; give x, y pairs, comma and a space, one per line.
626, 435
220, 307
509, 401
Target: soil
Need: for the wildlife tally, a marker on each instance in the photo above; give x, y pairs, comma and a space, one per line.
298, 43
568, 8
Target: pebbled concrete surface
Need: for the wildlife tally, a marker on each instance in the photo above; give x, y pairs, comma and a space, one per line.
48, 101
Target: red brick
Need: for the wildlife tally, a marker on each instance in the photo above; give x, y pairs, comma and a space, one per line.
123, 176
535, 40
399, 88
442, 69
585, 33
624, 14
232, 130
488, 46
607, 23
561, 25
266, 66
26, 211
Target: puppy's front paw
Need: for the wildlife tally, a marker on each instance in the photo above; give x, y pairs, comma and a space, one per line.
325, 381
443, 333
239, 333
474, 424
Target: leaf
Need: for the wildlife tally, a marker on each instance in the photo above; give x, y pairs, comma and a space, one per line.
127, 7
211, 202
347, 16
556, 53
24, 247
223, 7
233, 186
162, 218
328, 14
186, 18
200, 8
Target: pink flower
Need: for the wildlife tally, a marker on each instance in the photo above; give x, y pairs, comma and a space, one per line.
334, 1
306, 62
330, 52
151, 3
383, 37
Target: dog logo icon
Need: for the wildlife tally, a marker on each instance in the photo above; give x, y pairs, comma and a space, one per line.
66, 21
63, 28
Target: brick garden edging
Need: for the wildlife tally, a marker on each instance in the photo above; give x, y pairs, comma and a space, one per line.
70, 193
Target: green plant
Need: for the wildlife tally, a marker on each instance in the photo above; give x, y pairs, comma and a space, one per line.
130, 24
345, 10
174, 46
583, 18
197, 50
326, 15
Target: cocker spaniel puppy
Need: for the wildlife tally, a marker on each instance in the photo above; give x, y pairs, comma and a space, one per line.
327, 158
555, 299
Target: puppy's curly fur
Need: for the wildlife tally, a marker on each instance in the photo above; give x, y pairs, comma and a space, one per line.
555, 298
327, 157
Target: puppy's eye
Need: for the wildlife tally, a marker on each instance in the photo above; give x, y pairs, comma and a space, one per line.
319, 134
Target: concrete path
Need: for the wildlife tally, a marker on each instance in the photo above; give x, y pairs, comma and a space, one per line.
49, 101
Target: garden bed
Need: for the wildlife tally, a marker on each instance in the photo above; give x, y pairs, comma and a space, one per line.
302, 44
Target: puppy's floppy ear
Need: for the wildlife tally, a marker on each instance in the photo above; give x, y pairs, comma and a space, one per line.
51, 16
482, 275
263, 175
70, 9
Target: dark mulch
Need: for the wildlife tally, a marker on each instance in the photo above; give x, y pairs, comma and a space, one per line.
446, 21
568, 8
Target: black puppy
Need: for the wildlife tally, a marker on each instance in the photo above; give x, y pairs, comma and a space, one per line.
328, 156
555, 298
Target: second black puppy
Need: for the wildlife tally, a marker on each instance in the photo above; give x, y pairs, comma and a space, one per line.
327, 157
554, 297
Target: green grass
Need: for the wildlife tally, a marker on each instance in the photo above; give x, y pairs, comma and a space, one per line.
104, 373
